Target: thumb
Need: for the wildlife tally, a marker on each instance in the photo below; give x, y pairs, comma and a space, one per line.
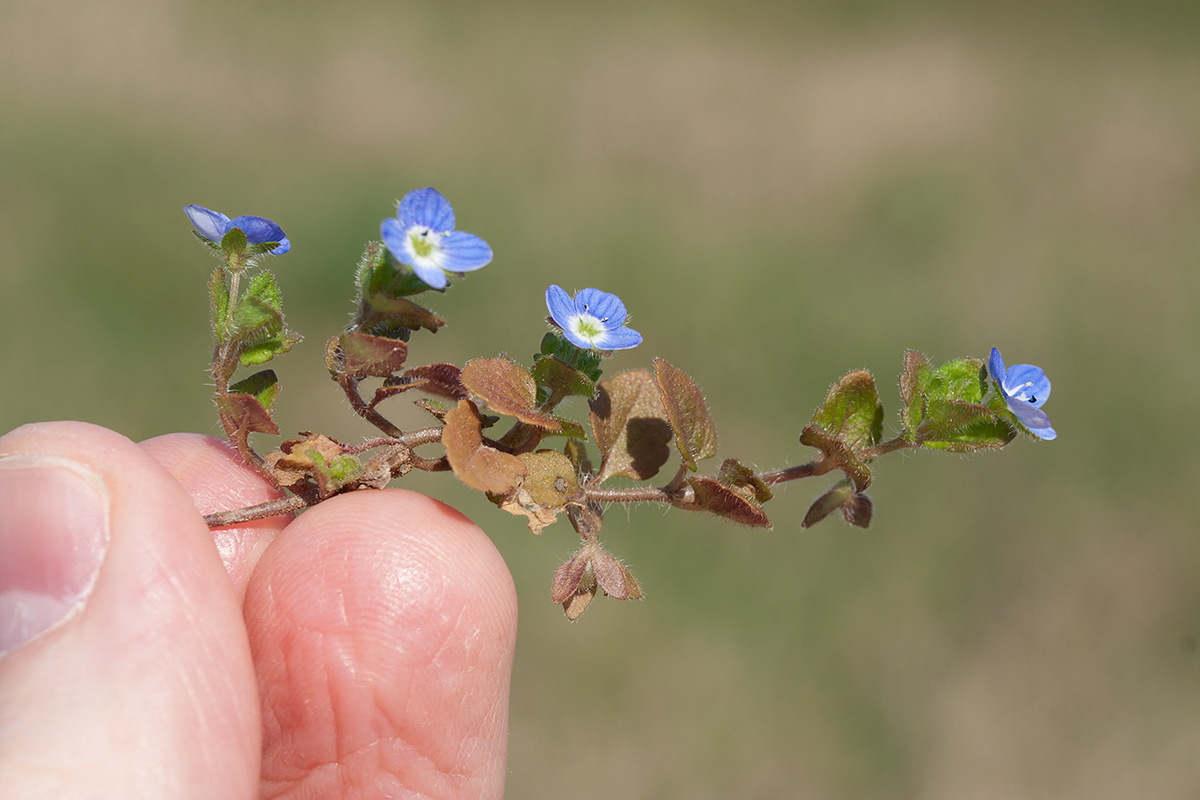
124, 665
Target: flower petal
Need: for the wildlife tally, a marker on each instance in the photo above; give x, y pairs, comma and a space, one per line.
996, 367
1018, 375
395, 239
463, 252
621, 338
1033, 418
284, 246
209, 224
602, 305
561, 308
426, 207
431, 273
257, 229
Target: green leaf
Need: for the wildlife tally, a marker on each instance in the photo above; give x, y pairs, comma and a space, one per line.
262, 352
381, 314
743, 480
550, 479
569, 428
836, 451
586, 361
695, 432
852, 411
258, 314
234, 241
964, 428
263, 385
914, 384
963, 380
334, 473
556, 379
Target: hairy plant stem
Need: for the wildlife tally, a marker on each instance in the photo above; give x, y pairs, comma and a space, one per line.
349, 385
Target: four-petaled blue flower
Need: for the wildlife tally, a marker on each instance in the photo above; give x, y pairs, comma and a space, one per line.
213, 225
593, 319
1025, 388
422, 236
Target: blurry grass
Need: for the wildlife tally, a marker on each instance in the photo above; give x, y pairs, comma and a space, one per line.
779, 195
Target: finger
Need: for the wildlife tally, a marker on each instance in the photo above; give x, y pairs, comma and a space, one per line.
212, 472
127, 672
382, 625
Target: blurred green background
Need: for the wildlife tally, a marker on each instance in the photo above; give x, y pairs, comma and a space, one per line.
780, 193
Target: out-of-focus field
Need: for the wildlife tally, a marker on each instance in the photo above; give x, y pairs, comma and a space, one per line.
779, 195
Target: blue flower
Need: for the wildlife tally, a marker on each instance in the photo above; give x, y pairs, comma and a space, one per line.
1025, 388
593, 319
213, 225
422, 236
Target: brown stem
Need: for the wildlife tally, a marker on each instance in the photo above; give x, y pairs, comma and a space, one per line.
349, 385
890, 446
818, 467
271, 508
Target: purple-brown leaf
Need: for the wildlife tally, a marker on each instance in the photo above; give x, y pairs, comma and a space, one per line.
695, 432
724, 501
478, 466
508, 389
630, 425
247, 413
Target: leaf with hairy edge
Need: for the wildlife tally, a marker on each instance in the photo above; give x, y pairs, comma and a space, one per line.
852, 411
630, 425
258, 314
722, 500
591, 568
568, 577
508, 389
570, 428
835, 451
743, 480
558, 380
577, 453
381, 313
263, 385
856, 507
441, 380
550, 478
478, 466
695, 432
613, 576
264, 351
913, 384
371, 356
247, 413
963, 428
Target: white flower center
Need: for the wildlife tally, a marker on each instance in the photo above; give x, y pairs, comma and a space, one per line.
424, 244
588, 327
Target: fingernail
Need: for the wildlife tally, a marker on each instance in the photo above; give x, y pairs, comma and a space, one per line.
53, 536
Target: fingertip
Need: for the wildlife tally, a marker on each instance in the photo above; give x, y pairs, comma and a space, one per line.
217, 479
148, 684
383, 625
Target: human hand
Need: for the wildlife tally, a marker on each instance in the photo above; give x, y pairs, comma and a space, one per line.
361, 650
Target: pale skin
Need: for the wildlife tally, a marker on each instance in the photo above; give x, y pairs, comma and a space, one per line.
362, 650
